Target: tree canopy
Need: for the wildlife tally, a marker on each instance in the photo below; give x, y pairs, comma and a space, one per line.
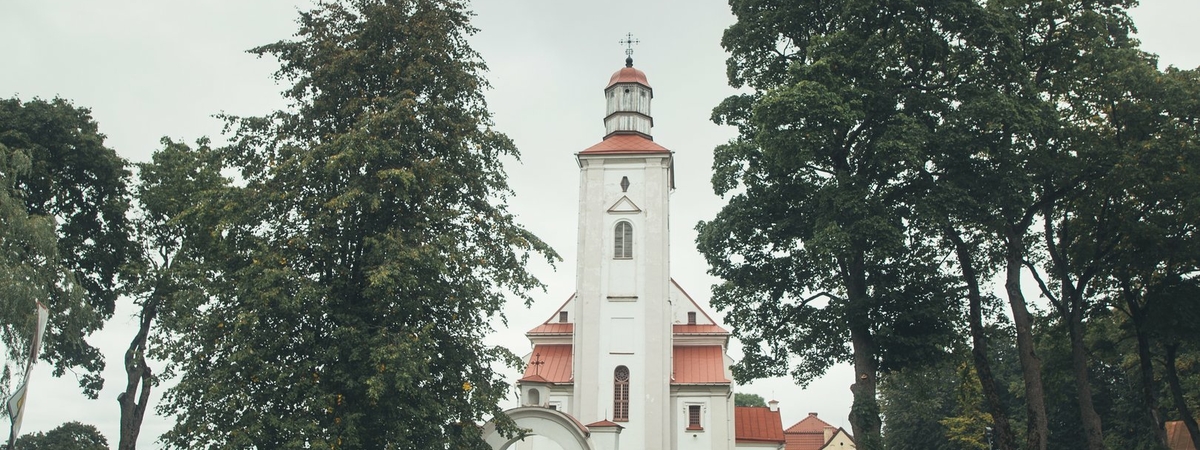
68, 436
347, 282
64, 176
894, 157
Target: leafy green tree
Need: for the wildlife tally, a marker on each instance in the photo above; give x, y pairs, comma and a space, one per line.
68, 436
74, 180
349, 279
913, 402
967, 428
1152, 208
29, 264
815, 243
747, 399
172, 238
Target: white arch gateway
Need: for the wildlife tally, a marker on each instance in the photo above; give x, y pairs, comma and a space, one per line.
556, 426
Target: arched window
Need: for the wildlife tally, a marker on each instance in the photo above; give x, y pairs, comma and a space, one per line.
623, 241
621, 394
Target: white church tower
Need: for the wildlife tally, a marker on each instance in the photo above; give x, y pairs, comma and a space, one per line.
622, 300
630, 361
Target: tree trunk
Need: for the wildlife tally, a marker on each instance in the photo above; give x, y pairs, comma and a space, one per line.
1145, 367
1071, 307
1181, 405
138, 380
864, 413
1087, 411
1005, 439
1031, 366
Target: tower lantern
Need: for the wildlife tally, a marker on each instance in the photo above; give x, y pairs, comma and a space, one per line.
628, 98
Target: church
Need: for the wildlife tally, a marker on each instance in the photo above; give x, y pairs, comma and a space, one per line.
631, 361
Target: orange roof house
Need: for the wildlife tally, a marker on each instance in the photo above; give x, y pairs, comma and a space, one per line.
812, 433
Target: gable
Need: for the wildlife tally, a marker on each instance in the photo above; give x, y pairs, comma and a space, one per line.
624, 206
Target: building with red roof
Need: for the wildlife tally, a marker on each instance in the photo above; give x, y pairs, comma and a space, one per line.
812, 433
630, 352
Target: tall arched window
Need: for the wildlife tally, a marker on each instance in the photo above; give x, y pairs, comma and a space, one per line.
621, 394
623, 241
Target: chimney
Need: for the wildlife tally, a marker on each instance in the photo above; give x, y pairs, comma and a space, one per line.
829, 432
774, 405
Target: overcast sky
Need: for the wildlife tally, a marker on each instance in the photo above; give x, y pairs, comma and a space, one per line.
149, 69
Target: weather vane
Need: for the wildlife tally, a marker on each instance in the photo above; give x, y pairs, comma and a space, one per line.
628, 42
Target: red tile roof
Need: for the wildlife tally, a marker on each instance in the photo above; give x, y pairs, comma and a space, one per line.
698, 329
556, 363
625, 143
757, 424
628, 75
1178, 437
807, 434
553, 328
702, 364
604, 424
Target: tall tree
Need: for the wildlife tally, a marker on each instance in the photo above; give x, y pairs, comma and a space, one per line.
73, 179
172, 237
820, 185
1151, 195
356, 270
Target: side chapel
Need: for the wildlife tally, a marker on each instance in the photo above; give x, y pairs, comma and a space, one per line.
631, 361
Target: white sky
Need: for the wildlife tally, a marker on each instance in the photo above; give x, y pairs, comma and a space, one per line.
149, 69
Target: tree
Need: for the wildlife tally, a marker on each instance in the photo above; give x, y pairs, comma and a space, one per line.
815, 243
1150, 197
80, 184
747, 399
29, 264
347, 283
172, 237
68, 436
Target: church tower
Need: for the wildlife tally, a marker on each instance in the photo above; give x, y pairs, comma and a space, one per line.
622, 338
630, 357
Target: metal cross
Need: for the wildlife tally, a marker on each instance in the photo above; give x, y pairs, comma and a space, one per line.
537, 363
629, 41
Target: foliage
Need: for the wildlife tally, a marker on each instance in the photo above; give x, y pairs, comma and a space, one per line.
171, 242
967, 428
913, 402
72, 179
342, 290
814, 244
68, 436
747, 399
29, 264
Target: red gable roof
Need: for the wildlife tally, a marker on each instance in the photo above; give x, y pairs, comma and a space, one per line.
703, 364
807, 434
625, 143
556, 363
757, 424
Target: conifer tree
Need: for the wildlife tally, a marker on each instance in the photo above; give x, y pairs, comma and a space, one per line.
354, 272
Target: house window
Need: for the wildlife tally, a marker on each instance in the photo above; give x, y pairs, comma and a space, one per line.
562, 316
691, 318
621, 394
623, 241
694, 417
